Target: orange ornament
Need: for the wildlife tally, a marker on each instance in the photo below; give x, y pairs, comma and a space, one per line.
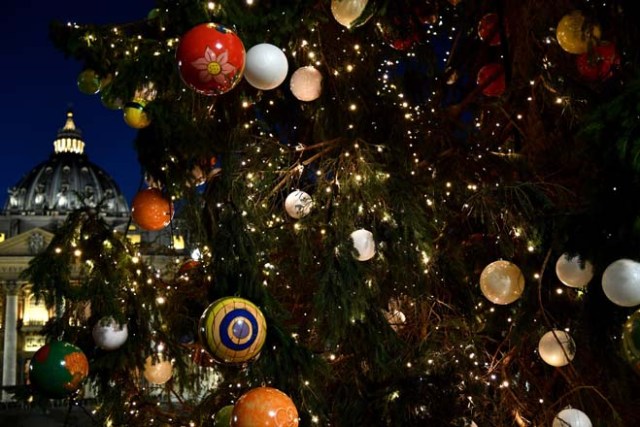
151, 210
264, 407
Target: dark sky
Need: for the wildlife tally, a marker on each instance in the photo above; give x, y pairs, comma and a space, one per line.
38, 85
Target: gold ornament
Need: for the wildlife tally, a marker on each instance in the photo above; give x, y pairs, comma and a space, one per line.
574, 34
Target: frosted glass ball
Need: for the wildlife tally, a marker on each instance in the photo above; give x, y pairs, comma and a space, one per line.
571, 272
363, 243
571, 417
306, 83
108, 334
621, 282
158, 371
557, 349
502, 282
347, 11
298, 204
266, 66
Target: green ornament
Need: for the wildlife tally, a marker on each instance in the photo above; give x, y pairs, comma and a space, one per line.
89, 82
631, 341
153, 14
58, 369
223, 417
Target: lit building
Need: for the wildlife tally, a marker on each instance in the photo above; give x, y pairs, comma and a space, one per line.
34, 208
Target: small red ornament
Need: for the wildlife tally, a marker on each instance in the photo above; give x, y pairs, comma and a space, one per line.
598, 63
491, 78
265, 407
151, 210
211, 59
489, 29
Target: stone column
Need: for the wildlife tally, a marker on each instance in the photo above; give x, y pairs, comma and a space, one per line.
9, 359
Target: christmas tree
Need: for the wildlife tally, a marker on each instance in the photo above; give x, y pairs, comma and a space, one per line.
405, 213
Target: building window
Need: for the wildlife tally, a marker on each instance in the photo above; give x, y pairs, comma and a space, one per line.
35, 312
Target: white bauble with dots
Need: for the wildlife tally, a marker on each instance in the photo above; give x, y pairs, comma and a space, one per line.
108, 334
574, 272
298, 204
557, 348
364, 244
571, 417
306, 83
621, 282
266, 66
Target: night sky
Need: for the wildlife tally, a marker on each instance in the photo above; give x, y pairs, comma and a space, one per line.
38, 85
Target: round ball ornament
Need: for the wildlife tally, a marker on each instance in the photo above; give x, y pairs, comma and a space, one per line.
298, 204
109, 334
222, 418
574, 35
571, 417
232, 330
573, 272
266, 67
491, 78
89, 82
489, 30
364, 244
265, 407
621, 282
58, 369
151, 210
157, 369
211, 59
502, 282
598, 63
557, 348
135, 115
306, 83
631, 341
349, 12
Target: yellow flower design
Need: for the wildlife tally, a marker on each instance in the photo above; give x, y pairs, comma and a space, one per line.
212, 66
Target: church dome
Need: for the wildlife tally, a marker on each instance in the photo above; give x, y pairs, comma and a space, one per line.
66, 181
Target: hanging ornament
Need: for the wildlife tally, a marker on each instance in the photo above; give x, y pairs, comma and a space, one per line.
557, 348
157, 369
188, 267
222, 418
211, 59
364, 244
264, 407
571, 417
108, 334
501, 282
135, 114
621, 282
491, 79
348, 13
232, 330
489, 29
151, 210
298, 204
58, 369
573, 272
266, 67
574, 35
306, 83
631, 341
598, 63
89, 82
399, 31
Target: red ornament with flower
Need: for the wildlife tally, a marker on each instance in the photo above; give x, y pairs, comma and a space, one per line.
211, 59
598, 63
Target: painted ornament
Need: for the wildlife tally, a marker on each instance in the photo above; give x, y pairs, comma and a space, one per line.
211, 59
298, 204
58, 369
108, 334
265, 407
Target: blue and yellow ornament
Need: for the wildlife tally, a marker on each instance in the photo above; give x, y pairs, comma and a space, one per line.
232, 330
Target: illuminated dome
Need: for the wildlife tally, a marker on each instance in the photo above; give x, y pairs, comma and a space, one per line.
67, 181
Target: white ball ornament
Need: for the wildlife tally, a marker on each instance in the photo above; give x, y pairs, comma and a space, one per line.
364, 244
557, 348
573, 272
266, 66
621, 282
157, 370
298, 204
109, 334
571, 417
502, 282
306, 83
346, 12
